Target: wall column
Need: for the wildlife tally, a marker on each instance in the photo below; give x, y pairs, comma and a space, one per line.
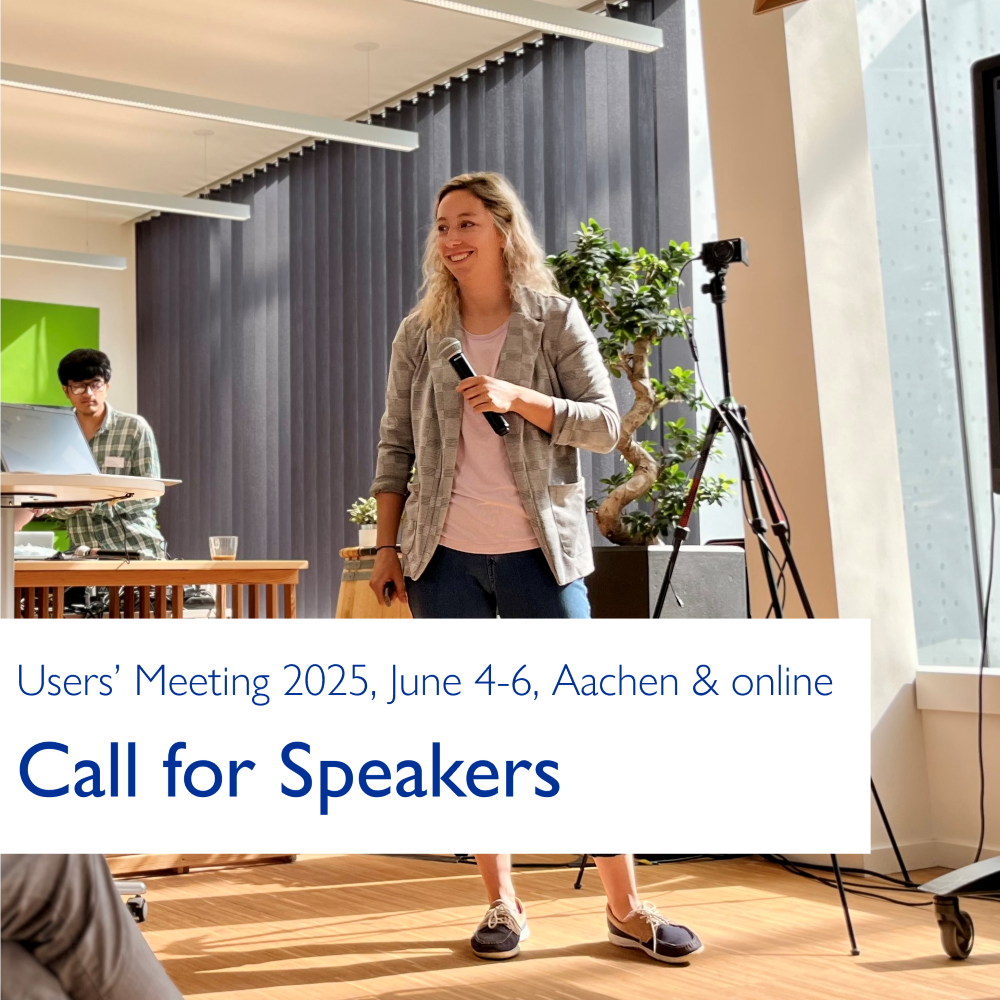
807, 341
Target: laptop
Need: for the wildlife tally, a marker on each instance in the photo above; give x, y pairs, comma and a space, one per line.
44, 439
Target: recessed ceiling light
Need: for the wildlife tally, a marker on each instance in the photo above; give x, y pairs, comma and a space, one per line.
109, 92
46, 256
560, 20
131, 199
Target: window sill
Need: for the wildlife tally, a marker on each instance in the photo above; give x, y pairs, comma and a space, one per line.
956, 689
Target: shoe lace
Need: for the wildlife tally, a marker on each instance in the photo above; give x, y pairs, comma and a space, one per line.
652, 916
501, 913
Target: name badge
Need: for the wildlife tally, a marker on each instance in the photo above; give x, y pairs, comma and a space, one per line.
114, 462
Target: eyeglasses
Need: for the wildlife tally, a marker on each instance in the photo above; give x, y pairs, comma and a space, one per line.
95, 385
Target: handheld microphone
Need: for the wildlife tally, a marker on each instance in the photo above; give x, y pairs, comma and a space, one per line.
451, 351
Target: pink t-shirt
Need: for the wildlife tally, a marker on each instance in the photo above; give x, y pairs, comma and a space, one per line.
485, 514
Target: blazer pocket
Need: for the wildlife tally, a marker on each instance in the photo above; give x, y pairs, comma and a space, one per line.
569, 511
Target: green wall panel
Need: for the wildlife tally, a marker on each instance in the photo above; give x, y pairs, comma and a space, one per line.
34, 336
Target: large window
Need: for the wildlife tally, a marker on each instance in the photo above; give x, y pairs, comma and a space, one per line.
919, 105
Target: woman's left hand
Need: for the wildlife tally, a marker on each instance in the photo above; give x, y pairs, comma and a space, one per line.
489, 395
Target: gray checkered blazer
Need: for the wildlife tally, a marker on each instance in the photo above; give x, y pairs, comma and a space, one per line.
550, 348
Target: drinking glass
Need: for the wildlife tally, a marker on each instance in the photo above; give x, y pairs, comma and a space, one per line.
223, 546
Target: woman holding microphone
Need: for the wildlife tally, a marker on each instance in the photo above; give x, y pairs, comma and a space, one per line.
496, 523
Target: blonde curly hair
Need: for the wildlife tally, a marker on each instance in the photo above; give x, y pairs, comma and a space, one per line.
524, 258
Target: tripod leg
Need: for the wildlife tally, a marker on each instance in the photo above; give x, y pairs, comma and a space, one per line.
579, 875
744, 453
778, 525
843, 903
681, 530
892, 838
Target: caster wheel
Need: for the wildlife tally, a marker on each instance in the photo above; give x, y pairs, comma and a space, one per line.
137, 907
957, 935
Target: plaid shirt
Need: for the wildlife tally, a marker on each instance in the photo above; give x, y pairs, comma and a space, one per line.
123, 446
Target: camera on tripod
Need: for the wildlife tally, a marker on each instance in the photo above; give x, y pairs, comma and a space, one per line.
755, 480
719, 255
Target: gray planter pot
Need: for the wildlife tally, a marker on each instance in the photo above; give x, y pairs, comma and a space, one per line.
710, 579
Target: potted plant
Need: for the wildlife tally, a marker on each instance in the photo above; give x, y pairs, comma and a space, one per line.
628, 298
364, 514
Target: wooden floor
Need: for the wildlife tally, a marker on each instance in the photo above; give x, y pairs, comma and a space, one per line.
346, 926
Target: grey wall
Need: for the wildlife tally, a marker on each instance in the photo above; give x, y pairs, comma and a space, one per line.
263, 346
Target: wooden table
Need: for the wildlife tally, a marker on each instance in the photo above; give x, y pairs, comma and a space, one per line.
153, 577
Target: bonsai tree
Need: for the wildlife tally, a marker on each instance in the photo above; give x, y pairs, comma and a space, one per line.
627, 299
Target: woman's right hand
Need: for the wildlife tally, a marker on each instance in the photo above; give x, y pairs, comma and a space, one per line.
387, 569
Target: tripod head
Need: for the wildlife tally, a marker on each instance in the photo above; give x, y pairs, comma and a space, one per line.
716, 258
716, 288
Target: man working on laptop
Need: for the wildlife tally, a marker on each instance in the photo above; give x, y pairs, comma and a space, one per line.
122, 445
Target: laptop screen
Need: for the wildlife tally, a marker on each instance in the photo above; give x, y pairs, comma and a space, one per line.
46, 439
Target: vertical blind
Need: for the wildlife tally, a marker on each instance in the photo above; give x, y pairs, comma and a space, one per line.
263, 346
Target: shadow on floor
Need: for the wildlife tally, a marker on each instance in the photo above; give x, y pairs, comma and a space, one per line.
213, 971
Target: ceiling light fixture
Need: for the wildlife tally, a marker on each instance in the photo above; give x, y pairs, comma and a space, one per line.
131, 199
560, 20
108, 92
63, 257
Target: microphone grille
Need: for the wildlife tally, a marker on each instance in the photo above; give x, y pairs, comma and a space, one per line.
448, 348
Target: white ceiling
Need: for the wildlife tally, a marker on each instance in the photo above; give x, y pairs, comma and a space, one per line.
295, 55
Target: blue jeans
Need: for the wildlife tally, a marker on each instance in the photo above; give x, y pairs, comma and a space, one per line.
512, 585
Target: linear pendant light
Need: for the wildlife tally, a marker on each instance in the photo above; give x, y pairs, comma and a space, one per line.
108, 92
560, 21
62, 257
132, 199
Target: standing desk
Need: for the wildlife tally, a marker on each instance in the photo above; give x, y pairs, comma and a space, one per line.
36, 489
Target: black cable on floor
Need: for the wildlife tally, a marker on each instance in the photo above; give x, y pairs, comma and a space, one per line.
854, 888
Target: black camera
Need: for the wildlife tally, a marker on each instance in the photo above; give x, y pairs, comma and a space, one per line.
720, 254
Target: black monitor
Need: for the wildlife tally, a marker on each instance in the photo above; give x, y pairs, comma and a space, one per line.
44, 439
986, 99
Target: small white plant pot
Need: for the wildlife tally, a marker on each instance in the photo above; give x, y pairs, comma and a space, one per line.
367, 535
